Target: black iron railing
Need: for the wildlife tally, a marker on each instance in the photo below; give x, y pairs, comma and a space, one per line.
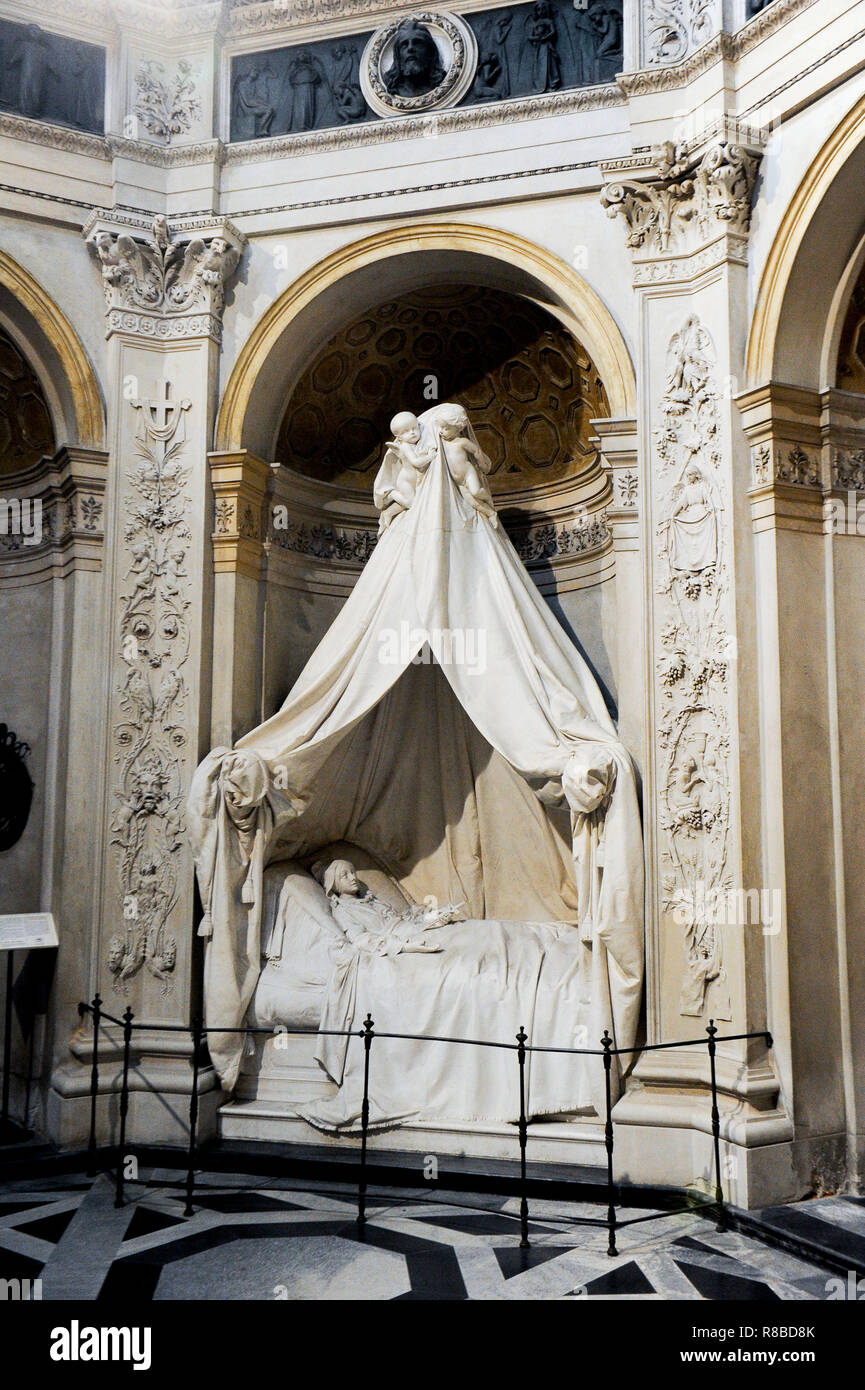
521, 1046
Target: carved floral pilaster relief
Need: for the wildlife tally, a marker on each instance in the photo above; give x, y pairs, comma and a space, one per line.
150, 739
674, 28
167, 105
692, 586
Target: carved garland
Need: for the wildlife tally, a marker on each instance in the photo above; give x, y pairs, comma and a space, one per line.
692, 600
150, 741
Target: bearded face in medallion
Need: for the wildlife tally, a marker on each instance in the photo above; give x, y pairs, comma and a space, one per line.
416, 68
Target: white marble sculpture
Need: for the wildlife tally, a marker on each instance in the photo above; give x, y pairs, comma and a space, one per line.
408, 456
435, 771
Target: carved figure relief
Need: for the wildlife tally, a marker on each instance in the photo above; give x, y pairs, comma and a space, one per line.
49, 77
415, 66
418, 64
692, 595
150, 742
425, 62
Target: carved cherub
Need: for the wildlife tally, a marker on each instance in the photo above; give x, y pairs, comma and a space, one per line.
408, 463
467, 463
125, 958
161, 963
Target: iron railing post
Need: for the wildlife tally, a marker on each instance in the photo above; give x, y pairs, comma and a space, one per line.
367, 1036
124, 1105
716, 1129
523, 1127
606, 1044
197, 1031
96, 1008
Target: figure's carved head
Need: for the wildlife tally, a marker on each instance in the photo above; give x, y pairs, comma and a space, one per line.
452, 421
416, 67
405, 426
116, 953
337, 877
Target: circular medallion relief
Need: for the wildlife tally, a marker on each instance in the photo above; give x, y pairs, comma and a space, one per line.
420, 63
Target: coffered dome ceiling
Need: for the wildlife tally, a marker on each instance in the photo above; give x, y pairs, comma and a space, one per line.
26, 434
530, 389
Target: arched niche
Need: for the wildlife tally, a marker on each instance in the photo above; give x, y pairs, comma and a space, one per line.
46, 339
812, 266
390, 264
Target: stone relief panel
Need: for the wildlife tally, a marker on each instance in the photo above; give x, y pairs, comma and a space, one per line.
674, 28
788, 463
443, 60
694, 650
531, 388
167, 103
150, 751
49, 77
26, 432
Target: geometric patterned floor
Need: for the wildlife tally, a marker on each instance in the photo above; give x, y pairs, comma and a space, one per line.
252, 1239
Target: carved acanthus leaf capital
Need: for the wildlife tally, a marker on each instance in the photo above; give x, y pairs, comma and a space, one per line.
158, 285
685, 194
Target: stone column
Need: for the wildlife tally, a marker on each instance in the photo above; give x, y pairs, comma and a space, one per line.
807, 469
240, 485
686, 211
164, 298
616, 441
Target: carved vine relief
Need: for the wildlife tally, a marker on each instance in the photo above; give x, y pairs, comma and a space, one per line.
150, 741
692, 593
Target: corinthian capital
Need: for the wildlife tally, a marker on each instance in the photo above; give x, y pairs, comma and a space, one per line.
159, 284
681, 196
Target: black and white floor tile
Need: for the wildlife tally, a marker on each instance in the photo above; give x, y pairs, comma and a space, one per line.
254, 1239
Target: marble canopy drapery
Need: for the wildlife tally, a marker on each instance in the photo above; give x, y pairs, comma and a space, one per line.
466, 778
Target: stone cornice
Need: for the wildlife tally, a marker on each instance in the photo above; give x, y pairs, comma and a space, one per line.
63, 138
410, 127
69, 490
171, 19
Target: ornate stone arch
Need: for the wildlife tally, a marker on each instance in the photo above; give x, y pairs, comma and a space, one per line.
321, 296
797, 301
50, 341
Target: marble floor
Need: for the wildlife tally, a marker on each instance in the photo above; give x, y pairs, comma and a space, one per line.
260, 1239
